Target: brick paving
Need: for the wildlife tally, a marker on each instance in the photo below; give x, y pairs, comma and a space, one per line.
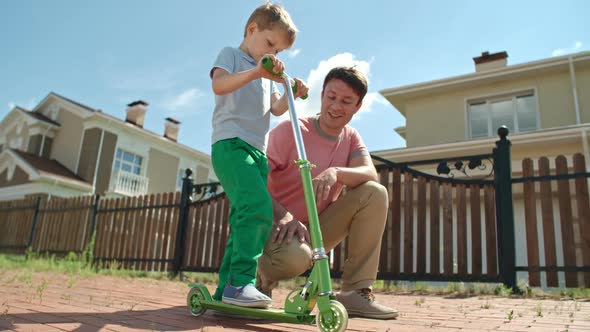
57, 302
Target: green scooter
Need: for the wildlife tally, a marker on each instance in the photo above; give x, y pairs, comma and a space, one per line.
317, 290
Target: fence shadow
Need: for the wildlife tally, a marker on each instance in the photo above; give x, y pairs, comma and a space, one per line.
176, 318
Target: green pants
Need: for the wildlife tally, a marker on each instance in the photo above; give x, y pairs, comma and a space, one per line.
242, 170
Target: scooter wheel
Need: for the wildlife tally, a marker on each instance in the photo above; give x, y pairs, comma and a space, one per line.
336, 320
193, 300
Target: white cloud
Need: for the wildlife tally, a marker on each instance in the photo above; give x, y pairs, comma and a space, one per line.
293, 53
183, 102
315, 81
562, 51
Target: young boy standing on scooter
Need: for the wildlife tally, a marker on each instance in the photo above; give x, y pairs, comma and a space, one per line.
245, 96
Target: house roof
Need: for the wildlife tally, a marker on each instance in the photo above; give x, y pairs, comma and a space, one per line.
38, 116
75, 102
398, 96
49, 166
99, 112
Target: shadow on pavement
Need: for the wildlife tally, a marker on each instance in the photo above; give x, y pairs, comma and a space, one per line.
166, 319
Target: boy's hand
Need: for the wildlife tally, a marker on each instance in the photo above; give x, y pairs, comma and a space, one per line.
278, 67
301, 90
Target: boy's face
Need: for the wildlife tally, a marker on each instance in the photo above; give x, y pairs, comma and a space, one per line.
258, 43
339, 104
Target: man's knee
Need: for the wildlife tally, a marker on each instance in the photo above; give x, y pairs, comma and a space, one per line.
285, 261
375, 187
375, 192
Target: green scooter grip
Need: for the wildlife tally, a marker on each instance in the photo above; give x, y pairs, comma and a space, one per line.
267, 64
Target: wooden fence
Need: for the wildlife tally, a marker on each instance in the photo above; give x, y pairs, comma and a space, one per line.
435, 226
556, 222
438, 228
138, 232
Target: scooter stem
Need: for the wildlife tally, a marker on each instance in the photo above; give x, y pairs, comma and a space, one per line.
319, 256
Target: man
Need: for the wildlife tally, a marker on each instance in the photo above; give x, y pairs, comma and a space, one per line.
341, 159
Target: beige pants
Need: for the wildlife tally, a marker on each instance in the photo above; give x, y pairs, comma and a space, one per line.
359, 216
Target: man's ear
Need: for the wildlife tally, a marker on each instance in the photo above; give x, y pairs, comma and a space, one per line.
358, 107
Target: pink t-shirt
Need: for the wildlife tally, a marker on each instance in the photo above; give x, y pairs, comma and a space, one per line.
324, 151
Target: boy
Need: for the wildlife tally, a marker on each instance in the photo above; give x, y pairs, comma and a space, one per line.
244, 98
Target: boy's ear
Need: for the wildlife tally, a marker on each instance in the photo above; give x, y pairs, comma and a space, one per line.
251, 27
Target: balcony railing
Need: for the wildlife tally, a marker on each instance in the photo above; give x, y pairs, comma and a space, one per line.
129, 184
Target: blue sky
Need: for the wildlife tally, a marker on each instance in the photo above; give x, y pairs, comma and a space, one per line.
106, 53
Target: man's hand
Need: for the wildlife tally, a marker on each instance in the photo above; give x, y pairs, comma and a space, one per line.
287, 230
322, 184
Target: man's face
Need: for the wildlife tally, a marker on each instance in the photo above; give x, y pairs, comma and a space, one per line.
339, 104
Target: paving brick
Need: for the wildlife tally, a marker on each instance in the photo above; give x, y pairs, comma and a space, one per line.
102, 303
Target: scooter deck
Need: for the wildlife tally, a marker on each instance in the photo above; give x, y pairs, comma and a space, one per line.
272, 314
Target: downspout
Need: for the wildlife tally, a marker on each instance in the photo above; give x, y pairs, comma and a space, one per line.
578, 115
574, 90
584, 135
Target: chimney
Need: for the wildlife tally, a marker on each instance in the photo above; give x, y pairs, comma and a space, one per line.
489, 61
136, 112
171, 129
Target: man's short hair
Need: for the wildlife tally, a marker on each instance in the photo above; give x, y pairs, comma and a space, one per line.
271, 16
352, 77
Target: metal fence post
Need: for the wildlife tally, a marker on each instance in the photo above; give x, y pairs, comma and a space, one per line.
94, 215
505, 210
34, 225
88, 252
185, 199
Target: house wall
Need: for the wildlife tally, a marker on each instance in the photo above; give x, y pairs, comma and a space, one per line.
35, 144
442, 118
555, 100
105, 166
583, 88
162, 171
47, 147
67, 141
202, 175
89, 154
547, 149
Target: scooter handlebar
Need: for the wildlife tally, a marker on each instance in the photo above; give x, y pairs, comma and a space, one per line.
268, 65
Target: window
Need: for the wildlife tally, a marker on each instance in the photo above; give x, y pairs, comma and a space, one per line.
127, 162
516, 111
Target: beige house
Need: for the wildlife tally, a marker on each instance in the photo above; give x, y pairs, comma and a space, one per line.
65, 148
545, 104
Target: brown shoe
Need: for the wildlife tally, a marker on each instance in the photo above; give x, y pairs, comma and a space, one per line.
361, 303
265, 286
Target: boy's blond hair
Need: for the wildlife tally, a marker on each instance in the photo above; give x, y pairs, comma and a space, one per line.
271, 16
